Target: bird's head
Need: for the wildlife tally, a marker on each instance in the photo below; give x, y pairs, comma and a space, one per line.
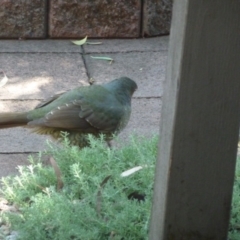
122, 85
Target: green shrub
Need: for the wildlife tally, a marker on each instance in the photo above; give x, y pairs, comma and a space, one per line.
95, 201
234, 226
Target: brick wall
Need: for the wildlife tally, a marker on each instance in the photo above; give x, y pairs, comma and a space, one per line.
78, 18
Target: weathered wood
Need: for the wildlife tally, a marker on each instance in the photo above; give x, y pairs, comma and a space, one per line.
200, 122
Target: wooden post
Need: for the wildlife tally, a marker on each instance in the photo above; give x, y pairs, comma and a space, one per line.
200, 123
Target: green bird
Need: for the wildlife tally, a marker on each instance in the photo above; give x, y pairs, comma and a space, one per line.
95, 109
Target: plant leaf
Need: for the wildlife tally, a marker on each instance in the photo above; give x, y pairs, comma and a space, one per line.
80, 42
103, 58
4, 80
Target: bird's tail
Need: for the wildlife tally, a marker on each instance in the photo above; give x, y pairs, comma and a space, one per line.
9, 120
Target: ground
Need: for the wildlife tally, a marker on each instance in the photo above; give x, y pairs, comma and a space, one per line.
36, 69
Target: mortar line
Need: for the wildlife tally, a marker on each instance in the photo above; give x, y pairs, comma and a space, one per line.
141, 34
88, 53
127, 51
40, 52
41, 99
8, 153
47, 7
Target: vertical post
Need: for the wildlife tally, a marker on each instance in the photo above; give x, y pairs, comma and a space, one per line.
200, 123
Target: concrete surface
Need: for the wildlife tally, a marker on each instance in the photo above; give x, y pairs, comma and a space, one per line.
38, 69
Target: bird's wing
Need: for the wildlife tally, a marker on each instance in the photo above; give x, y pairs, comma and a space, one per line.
49, 100
83, 116
105, 116
63, 117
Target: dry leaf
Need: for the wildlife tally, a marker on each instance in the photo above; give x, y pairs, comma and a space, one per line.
4, 80
91, 81
57, 172
130, 171
99, 194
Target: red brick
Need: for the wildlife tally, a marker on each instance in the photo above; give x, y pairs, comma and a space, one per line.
157, 17
23, 19
99, 18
